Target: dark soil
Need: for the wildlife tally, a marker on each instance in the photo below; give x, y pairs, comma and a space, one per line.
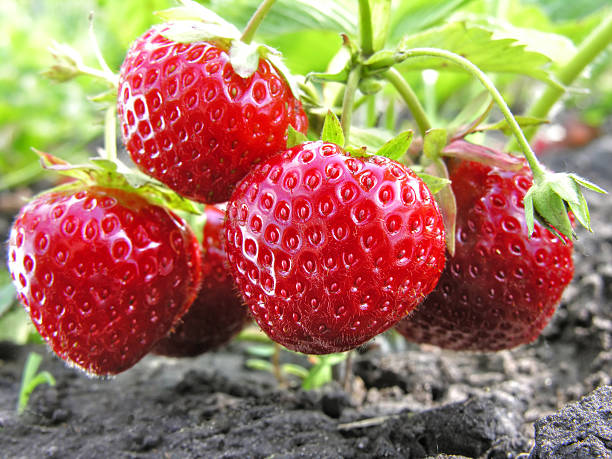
406, 401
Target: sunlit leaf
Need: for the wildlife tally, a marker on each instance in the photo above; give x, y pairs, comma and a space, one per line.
397, 146
412, 16
478, 45
332, 130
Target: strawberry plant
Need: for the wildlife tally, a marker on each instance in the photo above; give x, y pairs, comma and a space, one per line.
407, 210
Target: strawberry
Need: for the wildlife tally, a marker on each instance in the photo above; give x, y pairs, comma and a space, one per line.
330, 250
103, 273
189, 120
217, 314
501, 287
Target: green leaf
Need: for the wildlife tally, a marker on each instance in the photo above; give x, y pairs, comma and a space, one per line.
253, 334
566, 188
445, 198
116, 174
295, 370
434, 183
587, 184
553, 195
290, 16
332, 130
372, 138
415, 15
581, 212
434, 142
361, 152
529, 211
294, 137
478, 45
321, 373
550, 208
261, 350
335, 359
31, 379
397, 146
194, 31
258, 364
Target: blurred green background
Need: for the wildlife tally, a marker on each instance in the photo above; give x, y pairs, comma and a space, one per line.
59, 118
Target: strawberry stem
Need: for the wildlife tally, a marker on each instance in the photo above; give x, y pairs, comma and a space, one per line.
412, 101
92, 36
365, 28
590, 47
347, 379
257, 18
110, 134
534, 164
348, 101
278, 372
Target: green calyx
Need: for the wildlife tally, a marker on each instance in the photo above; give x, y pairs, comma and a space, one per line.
550, 199
115, 174
192, 22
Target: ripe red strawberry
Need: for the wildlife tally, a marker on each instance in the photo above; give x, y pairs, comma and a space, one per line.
217, 314
103, 273
500, 288
189, 120
330, 250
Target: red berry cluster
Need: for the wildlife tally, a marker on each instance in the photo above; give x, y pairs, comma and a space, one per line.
325, 249
106, 275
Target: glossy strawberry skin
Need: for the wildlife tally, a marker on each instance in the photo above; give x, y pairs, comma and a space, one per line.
500, 288
329, 251
103, 274
191, 122
217, 314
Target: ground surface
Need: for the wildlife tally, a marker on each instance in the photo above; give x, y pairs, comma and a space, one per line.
412, 402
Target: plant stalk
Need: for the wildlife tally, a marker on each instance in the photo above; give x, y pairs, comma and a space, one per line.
534, 164
414, 105
257, 18
365, 28
348, 101
110, 133
590, 47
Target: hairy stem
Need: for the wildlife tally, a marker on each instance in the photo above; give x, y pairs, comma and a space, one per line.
256, 19
534, 164
92, 36
410, 98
